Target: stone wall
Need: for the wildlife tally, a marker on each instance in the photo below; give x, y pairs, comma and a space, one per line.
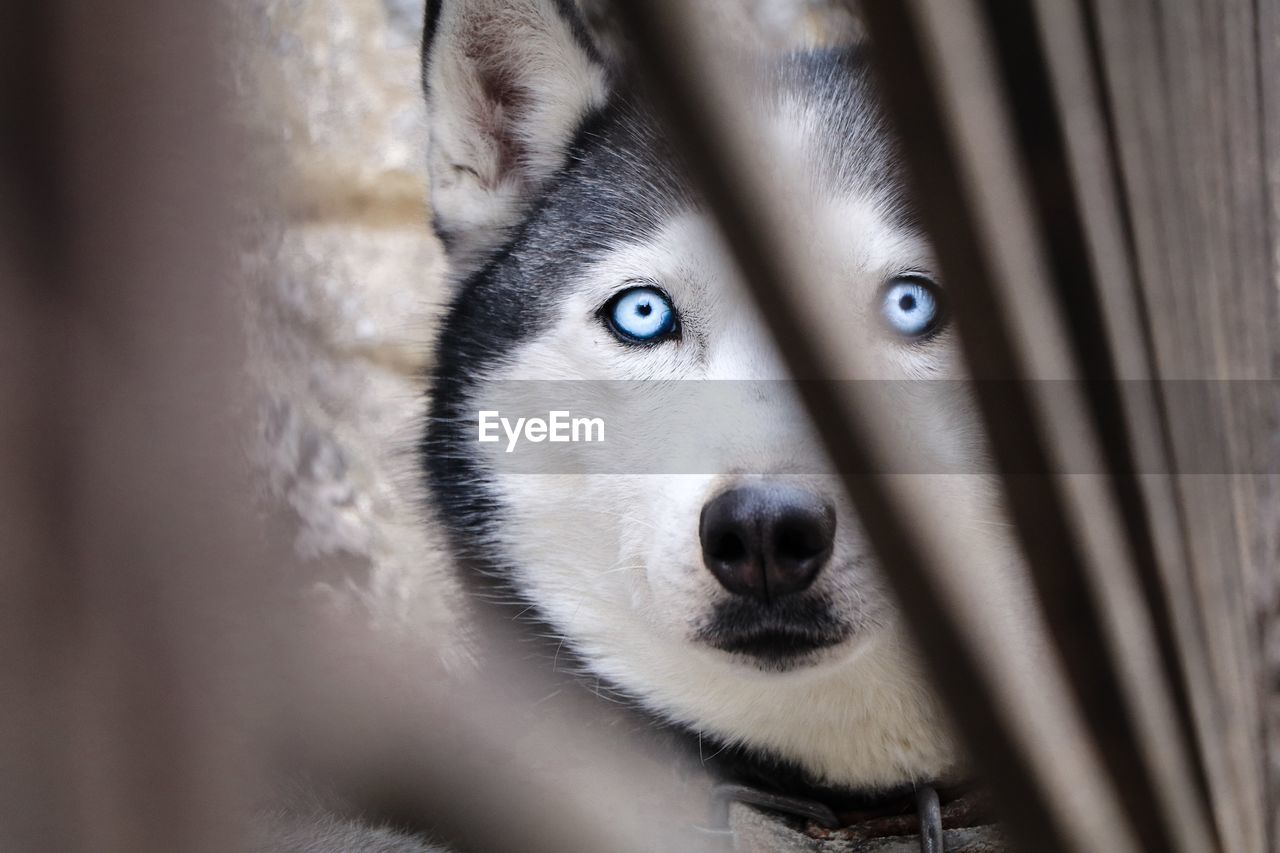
345, 279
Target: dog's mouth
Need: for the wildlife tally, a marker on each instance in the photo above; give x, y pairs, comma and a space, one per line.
775, 645
777, 636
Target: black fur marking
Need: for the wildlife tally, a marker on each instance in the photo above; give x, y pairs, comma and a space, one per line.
779, 635
572, 16
431, 21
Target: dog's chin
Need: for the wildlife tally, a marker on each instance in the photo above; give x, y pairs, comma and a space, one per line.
780, 637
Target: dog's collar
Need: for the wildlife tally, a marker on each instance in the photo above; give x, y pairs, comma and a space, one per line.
924, 818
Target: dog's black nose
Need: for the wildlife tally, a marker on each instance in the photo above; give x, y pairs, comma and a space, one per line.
766, 540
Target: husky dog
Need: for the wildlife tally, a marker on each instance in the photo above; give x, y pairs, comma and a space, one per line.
741, 602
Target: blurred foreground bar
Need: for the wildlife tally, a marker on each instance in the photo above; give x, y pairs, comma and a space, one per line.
120, 504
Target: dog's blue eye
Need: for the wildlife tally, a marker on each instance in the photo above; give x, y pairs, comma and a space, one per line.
641, 314
910, 306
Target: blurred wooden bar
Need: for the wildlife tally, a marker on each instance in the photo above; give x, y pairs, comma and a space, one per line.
1193, 107
123, 506
36, 806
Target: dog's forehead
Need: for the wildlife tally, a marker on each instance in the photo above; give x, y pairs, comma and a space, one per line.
826, 106
625, 180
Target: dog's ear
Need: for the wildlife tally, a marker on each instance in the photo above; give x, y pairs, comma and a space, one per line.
507, 82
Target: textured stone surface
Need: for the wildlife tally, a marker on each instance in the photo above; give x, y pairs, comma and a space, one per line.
344, 280
337, 81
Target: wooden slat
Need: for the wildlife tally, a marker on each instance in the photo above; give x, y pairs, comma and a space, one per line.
1152, 507
156, 526
117, 512
37, 811
1186, 85
1130, 45
1267, 443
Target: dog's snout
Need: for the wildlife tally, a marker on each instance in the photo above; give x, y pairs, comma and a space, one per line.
768, 540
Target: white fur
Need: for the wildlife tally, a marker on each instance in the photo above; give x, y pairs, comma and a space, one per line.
488, 158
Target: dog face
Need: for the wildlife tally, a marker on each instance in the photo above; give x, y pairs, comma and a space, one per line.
734, 591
